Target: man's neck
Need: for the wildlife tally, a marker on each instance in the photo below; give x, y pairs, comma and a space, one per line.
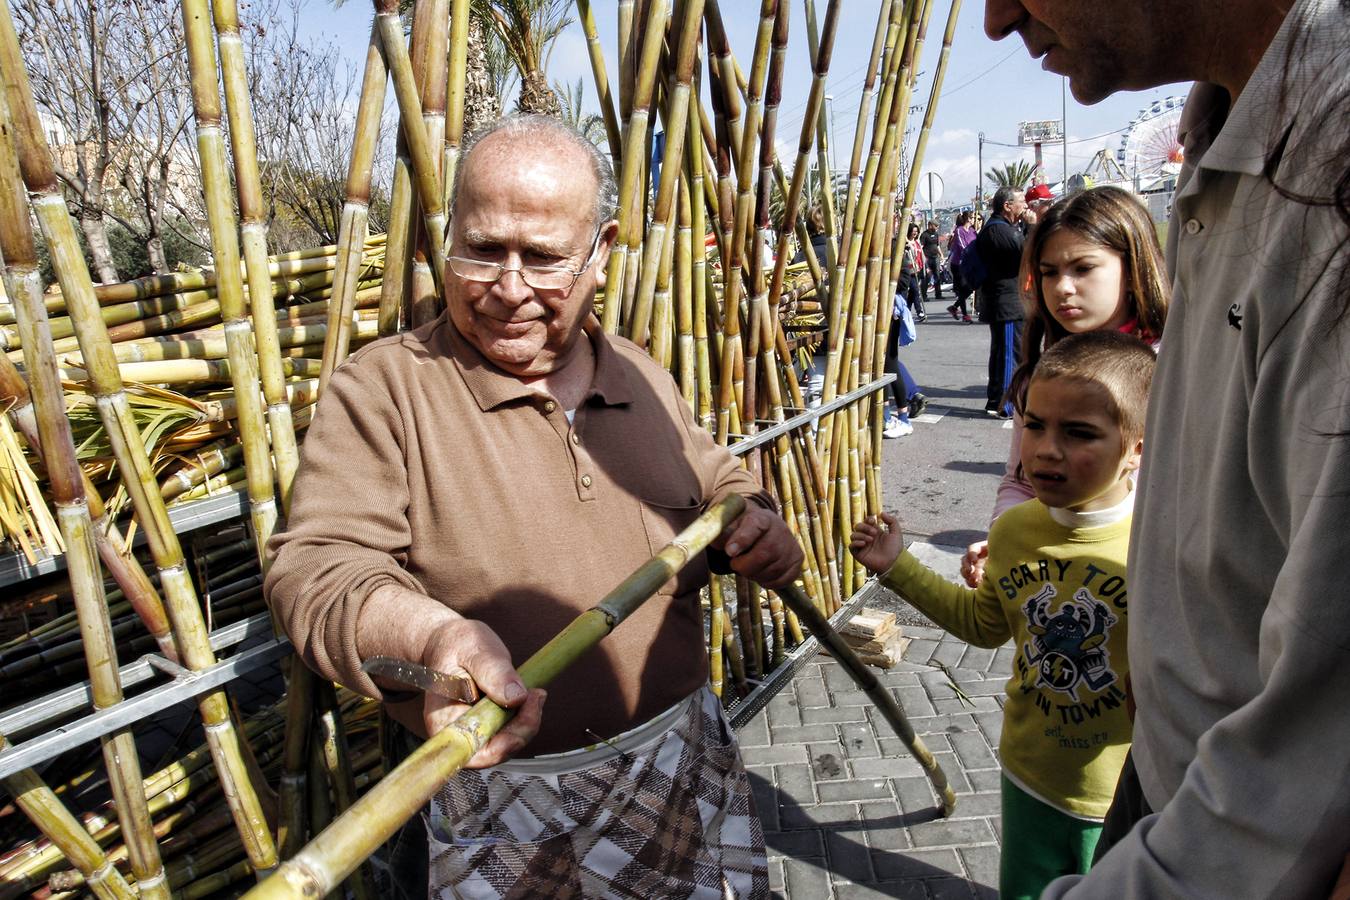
1230, 45
569, 383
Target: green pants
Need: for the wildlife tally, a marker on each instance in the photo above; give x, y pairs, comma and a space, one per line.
1040, 843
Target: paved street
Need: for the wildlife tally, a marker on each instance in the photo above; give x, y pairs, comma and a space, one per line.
847, 811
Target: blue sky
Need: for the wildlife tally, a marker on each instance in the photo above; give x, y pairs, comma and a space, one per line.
988, 87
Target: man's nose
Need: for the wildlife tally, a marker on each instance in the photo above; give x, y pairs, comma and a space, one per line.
1002, 18
511, 288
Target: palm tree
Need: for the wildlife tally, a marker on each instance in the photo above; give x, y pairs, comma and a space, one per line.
1015, 174
482, 84
591, 125
527, 30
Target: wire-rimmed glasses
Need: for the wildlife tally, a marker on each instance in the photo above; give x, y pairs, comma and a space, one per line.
541, 278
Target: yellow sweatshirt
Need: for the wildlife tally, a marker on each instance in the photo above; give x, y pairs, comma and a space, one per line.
1059, 593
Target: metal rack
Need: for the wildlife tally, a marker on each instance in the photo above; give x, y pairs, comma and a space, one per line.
185, 685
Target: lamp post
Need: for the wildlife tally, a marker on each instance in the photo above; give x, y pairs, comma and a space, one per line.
979, 177
1064, 127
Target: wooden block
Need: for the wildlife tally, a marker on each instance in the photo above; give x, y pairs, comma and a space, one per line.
869, 624
887, 658
876, 645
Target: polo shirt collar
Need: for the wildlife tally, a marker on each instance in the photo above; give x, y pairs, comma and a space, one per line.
491, 387
1243, 136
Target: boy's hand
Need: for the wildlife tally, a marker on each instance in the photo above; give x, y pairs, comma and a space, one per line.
877, 544
972, 563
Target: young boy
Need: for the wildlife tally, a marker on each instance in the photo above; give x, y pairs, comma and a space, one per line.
1055, 585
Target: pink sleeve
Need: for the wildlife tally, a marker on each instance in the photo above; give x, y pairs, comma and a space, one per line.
1012, 490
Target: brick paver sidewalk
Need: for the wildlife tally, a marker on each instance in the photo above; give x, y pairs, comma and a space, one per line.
847, 811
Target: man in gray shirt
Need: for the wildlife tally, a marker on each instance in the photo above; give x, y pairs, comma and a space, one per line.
1240, 619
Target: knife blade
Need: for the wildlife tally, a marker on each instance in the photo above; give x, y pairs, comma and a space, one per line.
456, 686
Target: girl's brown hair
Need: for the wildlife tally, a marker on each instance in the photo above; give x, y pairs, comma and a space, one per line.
1112, 218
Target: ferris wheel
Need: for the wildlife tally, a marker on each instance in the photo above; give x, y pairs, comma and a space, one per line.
1150, 145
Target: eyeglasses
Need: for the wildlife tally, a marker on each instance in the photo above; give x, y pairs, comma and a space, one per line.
541, 278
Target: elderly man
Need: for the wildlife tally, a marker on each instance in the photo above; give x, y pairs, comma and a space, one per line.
1240, 614
471, 486
999, 245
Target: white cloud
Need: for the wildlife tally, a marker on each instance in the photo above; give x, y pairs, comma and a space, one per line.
954, 136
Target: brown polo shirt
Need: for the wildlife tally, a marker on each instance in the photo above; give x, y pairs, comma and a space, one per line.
427, 466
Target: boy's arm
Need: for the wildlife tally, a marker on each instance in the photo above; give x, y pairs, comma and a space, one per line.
976, 617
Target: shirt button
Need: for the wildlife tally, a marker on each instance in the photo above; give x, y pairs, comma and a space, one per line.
585, 481
1193, 226
575, 438
550, 406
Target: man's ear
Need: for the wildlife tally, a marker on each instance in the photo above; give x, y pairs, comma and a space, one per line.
601, 265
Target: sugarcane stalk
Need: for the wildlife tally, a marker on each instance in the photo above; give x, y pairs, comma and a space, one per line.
425, 175
225, 249
930, 112
253, 238
138, 477
427, 53
663, 312
72, 511
628, 51
692, 197
41, 805
875, 691
603, 95
735, 662
716, 636
399, 241
883, 43
330, 857
454, 91
676, 119
337, 763
632, 173
814, 103
685, 366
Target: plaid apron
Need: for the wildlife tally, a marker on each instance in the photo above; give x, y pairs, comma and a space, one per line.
661, 811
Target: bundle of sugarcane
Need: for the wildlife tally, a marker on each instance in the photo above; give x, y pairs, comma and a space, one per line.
168, 330
200, 852
48, 656
717, 317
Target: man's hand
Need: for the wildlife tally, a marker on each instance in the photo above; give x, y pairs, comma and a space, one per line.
762, 548
972, 563
877, 544
472, 646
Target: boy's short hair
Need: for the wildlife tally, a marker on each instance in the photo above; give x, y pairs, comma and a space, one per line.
1120, 363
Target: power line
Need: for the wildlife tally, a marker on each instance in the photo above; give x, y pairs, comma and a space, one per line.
968, 83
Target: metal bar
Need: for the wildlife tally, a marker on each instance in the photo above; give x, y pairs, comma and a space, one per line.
763, 437
129, 712
15, 567
68, 700
749, 706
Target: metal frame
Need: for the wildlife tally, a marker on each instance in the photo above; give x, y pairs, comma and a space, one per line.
185, 685
745, 709
15, 567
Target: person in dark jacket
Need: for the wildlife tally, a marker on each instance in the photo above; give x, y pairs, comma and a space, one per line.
1000, 247
931, 242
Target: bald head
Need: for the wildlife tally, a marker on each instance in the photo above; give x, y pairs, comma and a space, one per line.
504, 140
